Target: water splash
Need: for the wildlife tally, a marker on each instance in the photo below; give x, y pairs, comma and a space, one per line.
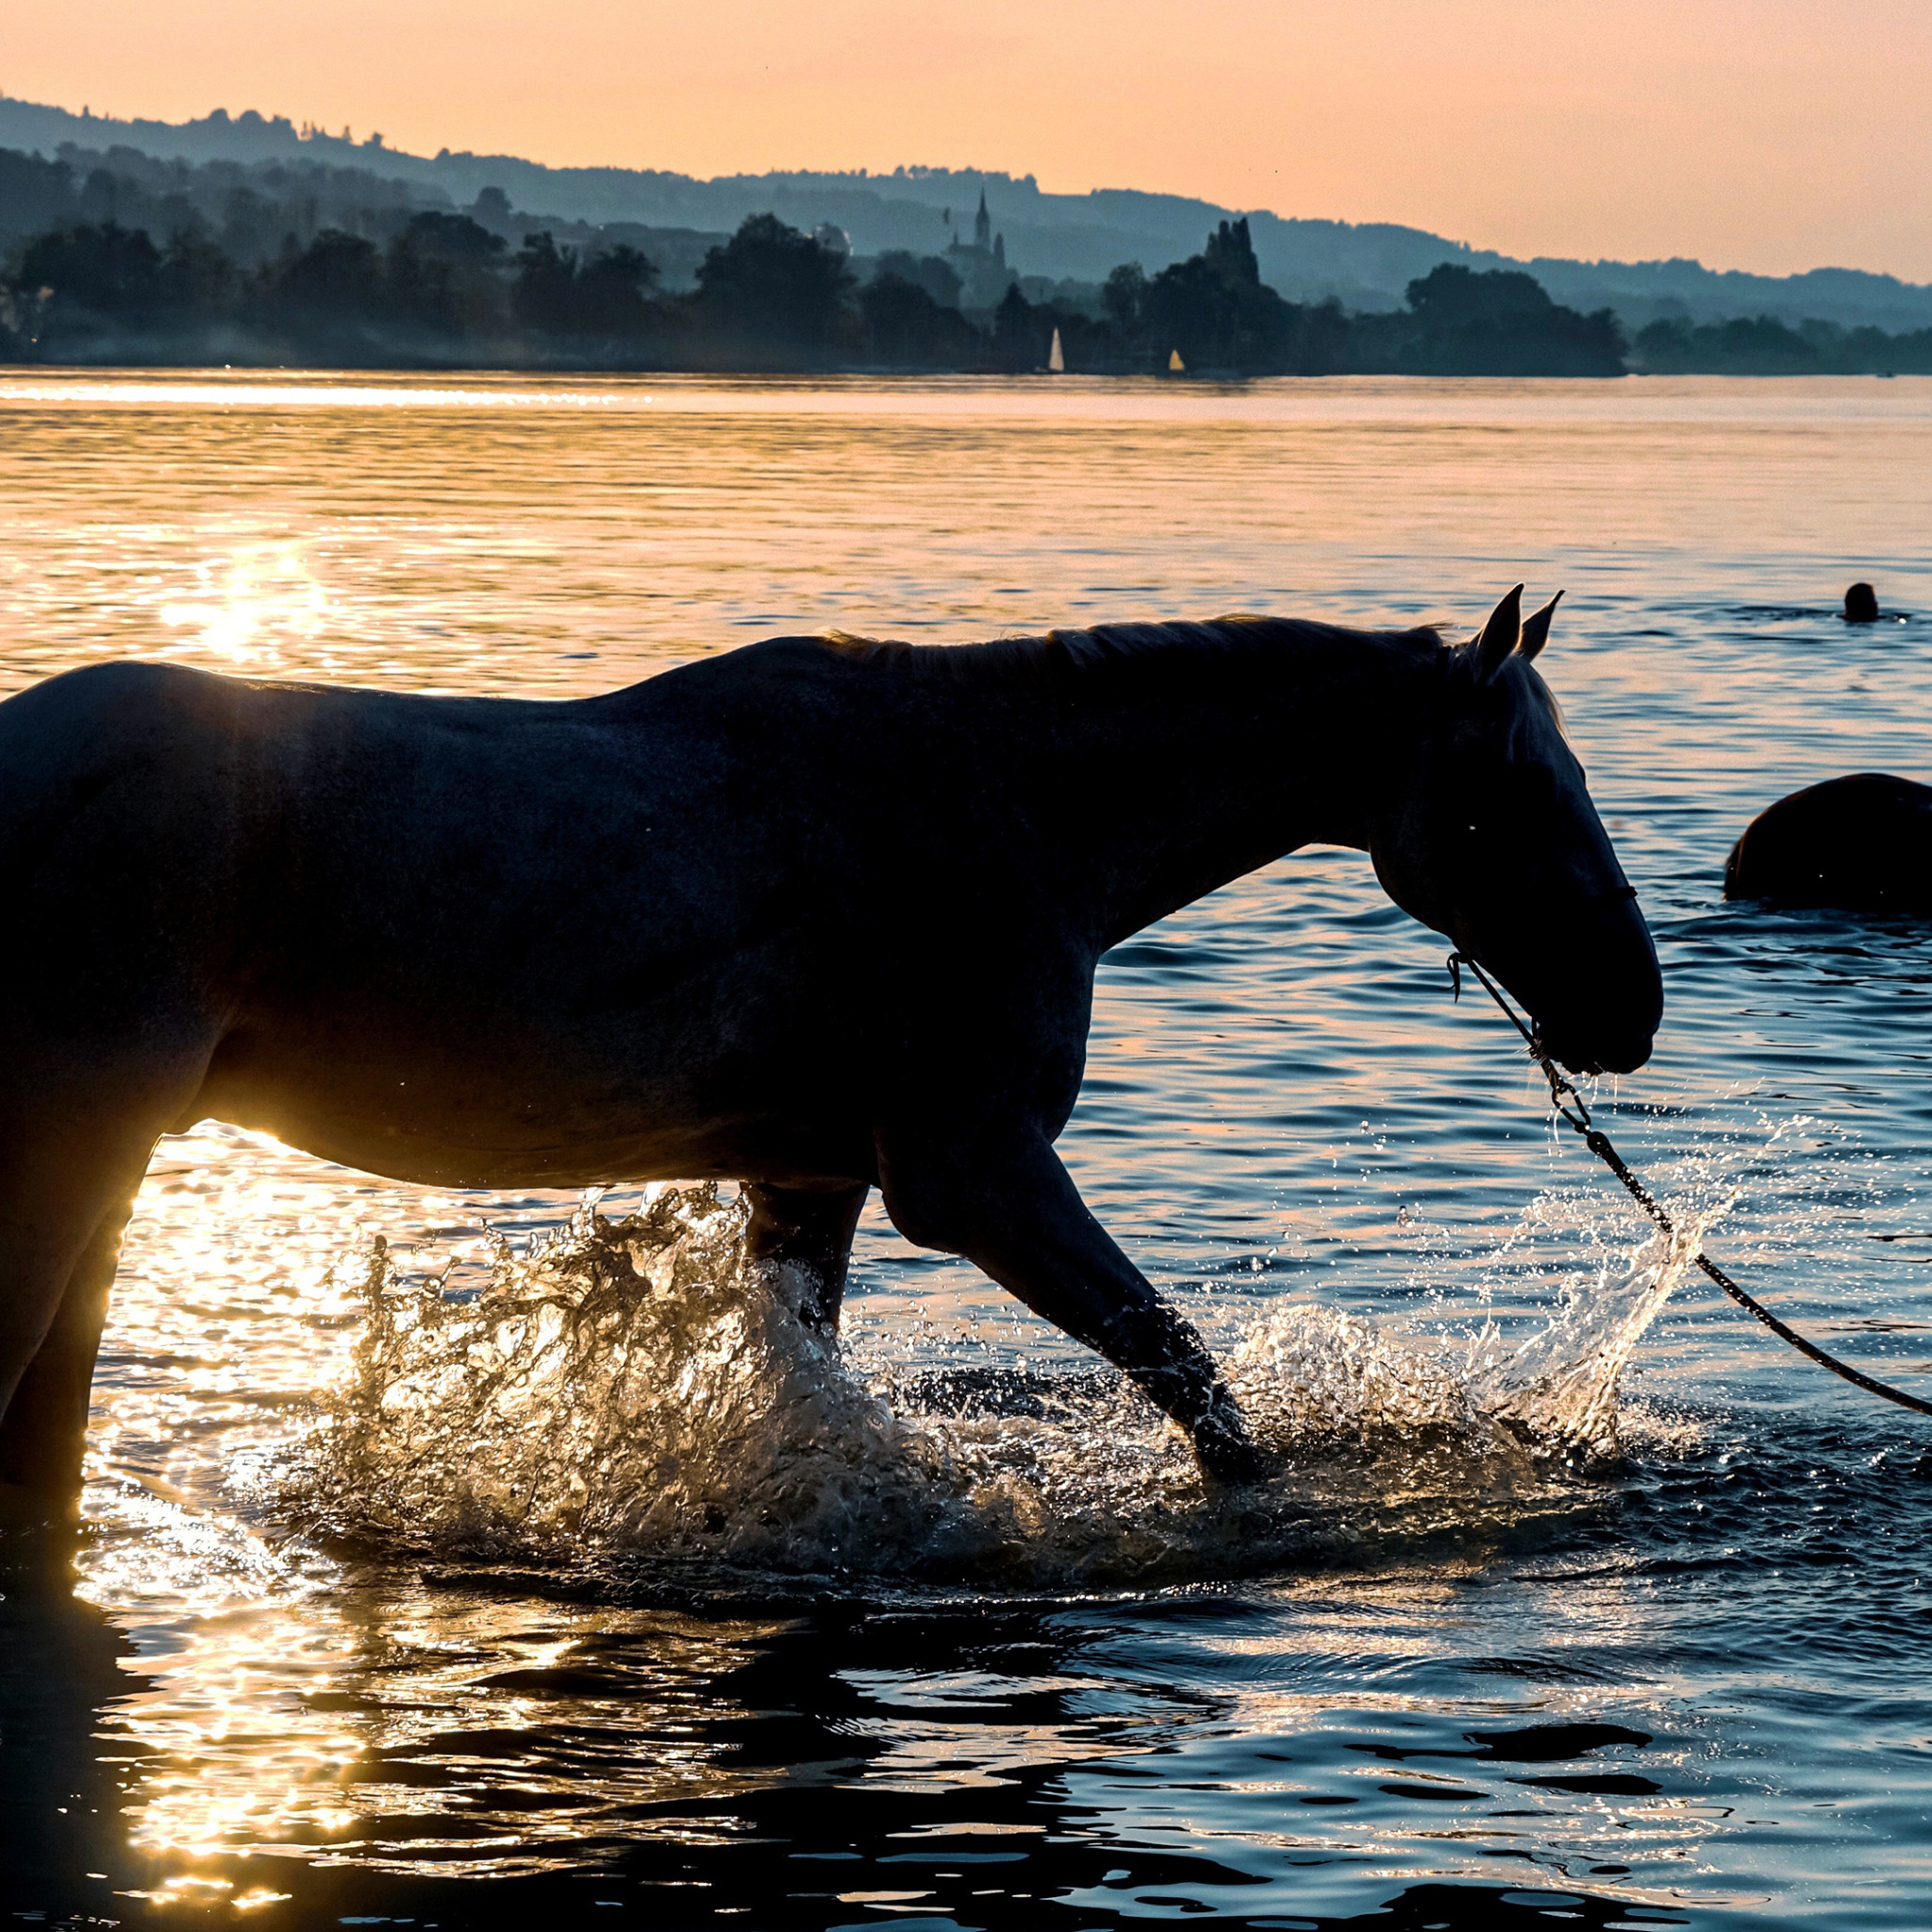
636, 1392
633, 1384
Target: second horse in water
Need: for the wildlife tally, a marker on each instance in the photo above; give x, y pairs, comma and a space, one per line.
1862, 843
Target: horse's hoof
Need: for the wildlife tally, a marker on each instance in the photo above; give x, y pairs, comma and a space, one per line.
38, 1535
1239, 1469
25, 1511
1224, 1448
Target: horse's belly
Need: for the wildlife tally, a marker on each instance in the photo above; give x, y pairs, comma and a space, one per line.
542, 1111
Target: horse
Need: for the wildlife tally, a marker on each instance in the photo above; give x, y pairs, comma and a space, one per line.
1861, 844
817, 915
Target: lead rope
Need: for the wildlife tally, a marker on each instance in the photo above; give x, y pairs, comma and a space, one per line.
1576, 1112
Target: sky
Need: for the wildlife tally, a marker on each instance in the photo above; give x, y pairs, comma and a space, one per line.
1770, 135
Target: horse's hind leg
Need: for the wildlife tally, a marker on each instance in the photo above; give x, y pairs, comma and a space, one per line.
812, 1229
76, 1133
43, 1432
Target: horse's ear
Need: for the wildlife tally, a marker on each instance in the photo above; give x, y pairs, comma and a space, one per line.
1536, 628
1492, 646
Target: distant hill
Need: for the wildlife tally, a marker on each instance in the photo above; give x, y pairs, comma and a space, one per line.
1079, 237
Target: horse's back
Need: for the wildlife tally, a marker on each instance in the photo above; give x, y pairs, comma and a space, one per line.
438, 936
121, 721
120, 818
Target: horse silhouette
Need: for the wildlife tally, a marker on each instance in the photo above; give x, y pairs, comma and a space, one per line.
1861, 844
820, 915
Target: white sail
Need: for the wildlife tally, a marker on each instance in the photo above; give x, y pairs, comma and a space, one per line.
1054, 359
1175, 366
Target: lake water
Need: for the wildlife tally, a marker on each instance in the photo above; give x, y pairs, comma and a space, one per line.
1005, 1665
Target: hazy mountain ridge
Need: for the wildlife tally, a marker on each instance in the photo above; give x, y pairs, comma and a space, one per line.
1367, 265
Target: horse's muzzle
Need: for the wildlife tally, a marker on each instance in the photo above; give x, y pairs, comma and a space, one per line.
1597, 998
1603, 1052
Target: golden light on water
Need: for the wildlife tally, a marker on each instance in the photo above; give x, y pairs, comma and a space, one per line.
234, 1235
245, 605
314, 391
264, 1717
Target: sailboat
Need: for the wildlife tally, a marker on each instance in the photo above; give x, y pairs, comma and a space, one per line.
1056, 360
1175, 365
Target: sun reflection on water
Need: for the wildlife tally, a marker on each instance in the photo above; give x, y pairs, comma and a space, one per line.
244, 606
282, 1704
1333, 1708
243, 1730
434, 1729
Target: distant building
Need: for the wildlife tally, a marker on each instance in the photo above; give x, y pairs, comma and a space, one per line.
981, 263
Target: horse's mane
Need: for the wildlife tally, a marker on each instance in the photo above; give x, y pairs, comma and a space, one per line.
1094, 651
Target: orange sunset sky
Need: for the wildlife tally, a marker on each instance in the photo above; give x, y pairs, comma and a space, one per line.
1773, 135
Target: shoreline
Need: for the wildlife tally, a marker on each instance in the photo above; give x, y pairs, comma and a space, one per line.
1217, 378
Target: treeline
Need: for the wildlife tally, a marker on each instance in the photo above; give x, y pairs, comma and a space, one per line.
121, 256
440, 289
1765, 347
248, 209
253, 212
444, 290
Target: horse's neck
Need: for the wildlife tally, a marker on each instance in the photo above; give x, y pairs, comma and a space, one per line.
1196, 773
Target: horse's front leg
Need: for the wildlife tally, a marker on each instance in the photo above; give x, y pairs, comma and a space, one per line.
1011, 1208
809, 1229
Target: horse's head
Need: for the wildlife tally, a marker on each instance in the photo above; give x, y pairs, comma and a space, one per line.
1493, 841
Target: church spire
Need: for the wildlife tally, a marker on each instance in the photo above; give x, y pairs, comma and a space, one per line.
982, 224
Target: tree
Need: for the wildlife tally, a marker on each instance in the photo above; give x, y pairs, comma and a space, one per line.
251, 227
1230, 253
491, 207
1500, 322
613, 294
16, 329
104, 270
1451, 296
1215, 308
1322, 334
1762, 348
544, 294
772, 291
932, 273
104, 285
450, 238
330, 299
197, 282
1019, 339
1124, 296
441, 278
597, 307
906, 325
35, 195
